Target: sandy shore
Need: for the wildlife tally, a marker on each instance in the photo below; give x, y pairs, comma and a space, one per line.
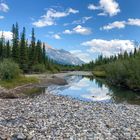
53, 117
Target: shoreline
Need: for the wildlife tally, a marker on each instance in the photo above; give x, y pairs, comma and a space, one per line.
49, 116
45, 80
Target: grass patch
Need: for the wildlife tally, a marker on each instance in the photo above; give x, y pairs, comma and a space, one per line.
33, 92
19, 81
99, 74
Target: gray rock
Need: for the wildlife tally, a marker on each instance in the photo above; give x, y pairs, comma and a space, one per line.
50, 116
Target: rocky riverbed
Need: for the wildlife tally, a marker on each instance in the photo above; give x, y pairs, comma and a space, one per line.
52, 117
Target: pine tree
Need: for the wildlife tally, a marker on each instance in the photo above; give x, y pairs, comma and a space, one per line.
44, 54
8, 49
39, 56
2, 44
23, 52
15, 40
32, 52
1, 48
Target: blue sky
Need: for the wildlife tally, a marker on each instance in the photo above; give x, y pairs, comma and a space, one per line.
87, 28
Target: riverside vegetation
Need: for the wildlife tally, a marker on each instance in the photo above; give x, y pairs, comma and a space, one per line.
121, 70
19, 56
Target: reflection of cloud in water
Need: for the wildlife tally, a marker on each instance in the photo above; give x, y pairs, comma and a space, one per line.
97, 94
92, 90
72, 80
82, 88
83, 83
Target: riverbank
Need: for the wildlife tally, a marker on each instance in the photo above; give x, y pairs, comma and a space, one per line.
34, 82
49, 116
19, 88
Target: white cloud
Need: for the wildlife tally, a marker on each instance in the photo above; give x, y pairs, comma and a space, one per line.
109, 7
116, 24
121, 24
4, 7
73, 11
93, 7
79, 30
102, 14
51, 15
83, 20
109, 47
135, 22
56, 36
82, 30
1, 17
82, 55
7, 34
68, 32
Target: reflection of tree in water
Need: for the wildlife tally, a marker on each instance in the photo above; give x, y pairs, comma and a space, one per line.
91, 78
97, 81
118, 94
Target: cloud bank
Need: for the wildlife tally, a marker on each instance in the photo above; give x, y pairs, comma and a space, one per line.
109, 47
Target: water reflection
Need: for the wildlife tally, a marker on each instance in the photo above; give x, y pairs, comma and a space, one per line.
91, 89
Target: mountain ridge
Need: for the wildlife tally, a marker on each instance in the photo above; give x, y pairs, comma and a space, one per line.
62, 56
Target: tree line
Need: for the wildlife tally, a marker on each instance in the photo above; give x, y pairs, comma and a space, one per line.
29, 55
102, 60
120, 70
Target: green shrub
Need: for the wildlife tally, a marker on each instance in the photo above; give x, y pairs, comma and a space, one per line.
39, 68
117, 72
99, 73
99, 68
133, 80
124, 73
9, 70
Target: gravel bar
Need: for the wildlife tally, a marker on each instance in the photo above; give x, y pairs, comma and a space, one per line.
54, 117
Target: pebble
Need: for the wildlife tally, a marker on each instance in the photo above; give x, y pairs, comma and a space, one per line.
54, 117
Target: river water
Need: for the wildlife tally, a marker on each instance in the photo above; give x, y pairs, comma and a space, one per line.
91, 89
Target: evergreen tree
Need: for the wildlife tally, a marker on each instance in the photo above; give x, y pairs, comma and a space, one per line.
44, 54
125, 55
8, 49
23, 52
39, 56
2, 46
32, 52
15, 40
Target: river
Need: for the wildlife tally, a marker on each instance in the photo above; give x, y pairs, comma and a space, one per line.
90, 89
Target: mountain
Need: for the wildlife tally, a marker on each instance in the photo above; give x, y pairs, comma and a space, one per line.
63, 56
